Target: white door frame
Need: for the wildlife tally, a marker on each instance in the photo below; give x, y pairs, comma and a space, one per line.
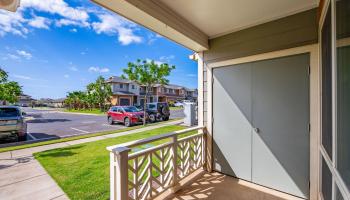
315, 94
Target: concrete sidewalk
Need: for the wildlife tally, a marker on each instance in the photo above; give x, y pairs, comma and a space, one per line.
22, 177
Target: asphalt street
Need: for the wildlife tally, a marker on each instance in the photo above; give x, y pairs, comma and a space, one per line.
43, 124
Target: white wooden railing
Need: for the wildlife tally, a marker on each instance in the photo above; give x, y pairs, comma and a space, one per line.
161, 163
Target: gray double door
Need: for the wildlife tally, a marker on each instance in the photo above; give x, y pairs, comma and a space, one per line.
261, 120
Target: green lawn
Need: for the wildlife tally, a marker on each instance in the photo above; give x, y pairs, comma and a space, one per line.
87, 111
176, 108
82, 171
24, 146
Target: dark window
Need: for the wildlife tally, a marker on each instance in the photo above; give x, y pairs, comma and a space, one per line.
343, 89
327, 83
152, 106
131, 109
133, 87
326, 181
124, 102
121, 85
9, 112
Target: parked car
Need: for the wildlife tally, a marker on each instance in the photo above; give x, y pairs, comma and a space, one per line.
129, 115
12, 123
158, 111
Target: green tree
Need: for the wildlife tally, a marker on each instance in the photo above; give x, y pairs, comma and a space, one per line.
75, 99
100, 92
9, 90
147, 74
91, 96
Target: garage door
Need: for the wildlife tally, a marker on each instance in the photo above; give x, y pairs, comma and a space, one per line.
261, 123
124, 102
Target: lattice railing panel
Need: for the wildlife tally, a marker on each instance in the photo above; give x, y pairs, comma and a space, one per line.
190, 155
151, 173
147, 173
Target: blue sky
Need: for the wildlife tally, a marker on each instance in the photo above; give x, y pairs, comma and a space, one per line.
54, 46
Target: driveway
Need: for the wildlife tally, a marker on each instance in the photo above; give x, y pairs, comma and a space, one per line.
54, 124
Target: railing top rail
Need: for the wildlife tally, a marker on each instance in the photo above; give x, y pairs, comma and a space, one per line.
148, 150
134, 143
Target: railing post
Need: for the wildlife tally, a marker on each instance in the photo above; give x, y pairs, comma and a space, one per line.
204, 147
175, 179
119, 173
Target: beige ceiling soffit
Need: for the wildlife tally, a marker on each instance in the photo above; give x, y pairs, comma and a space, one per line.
263, 21
158, 17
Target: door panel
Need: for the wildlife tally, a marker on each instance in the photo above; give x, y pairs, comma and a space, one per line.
124, 102
281, 114
272, 96
232, 116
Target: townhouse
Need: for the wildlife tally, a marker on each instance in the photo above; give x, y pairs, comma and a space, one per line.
126, 92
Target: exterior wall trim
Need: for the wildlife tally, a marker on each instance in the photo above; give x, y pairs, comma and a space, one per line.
315, 94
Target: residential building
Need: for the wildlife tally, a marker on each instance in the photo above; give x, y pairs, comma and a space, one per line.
275, 77
126, 92
47, 102
25, 100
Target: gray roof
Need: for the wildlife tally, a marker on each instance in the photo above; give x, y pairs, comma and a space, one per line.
123, 93
117, 79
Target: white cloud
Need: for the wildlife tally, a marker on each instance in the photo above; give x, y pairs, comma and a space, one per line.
24, 54
73, 68
98, 69
115, 25
69, 22
167, 58
22, 77
40, 22
58, 7
12, 56
158, 62
12, 23
66, 76
65, 15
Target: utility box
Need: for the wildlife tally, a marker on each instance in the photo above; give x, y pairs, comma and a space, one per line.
190, 114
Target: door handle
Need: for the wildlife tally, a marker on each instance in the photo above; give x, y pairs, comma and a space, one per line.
257, 130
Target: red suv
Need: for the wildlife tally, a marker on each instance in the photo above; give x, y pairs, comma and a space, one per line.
129, 115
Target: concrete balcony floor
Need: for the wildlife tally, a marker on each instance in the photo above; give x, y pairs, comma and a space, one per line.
217, 186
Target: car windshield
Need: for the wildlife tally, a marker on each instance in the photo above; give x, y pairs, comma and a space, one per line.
9, 112
151, 106
130, 109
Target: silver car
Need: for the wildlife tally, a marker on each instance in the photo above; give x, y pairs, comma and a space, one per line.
12, 123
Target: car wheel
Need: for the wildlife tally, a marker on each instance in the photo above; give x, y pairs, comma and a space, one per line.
152, 118
22, 138
166, 118
110, 121
127, 122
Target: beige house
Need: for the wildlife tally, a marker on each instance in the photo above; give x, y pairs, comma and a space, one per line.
274, 102
127, 93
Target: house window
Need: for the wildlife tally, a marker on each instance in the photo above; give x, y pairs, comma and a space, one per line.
133, 87
121, 85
